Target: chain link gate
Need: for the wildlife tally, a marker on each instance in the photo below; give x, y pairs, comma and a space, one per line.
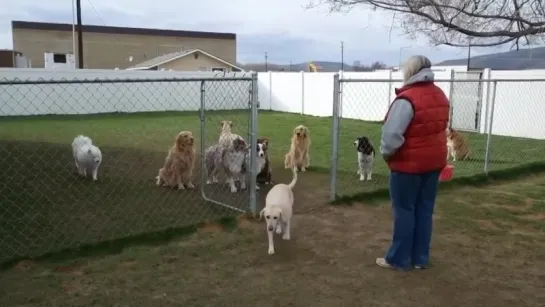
242, 120
48, 207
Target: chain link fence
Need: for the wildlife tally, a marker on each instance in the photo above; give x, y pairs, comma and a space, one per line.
499, 121
47, 205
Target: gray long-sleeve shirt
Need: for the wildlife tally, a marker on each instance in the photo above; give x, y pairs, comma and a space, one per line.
399, 118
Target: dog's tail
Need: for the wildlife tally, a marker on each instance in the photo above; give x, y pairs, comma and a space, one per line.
294, 180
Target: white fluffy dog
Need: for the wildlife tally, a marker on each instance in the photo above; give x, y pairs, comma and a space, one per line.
86, 155
278, 210
226, 136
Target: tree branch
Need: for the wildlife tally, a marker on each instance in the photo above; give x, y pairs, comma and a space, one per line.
453, 23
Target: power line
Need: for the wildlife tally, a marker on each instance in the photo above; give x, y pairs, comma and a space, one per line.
96, 12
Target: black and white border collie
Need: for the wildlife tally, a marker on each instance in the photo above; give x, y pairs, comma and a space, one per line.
366, 157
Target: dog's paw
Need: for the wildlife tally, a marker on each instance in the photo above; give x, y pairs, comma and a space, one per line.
190, 186
271, 251
208, 182
256, 187
303, 169
181, 187
362, 178
233, 190
369, 178
278, 230
286, 236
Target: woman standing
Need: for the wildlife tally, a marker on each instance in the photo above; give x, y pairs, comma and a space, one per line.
414, 145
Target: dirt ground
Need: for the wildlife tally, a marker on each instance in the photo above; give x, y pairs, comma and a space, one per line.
488, 250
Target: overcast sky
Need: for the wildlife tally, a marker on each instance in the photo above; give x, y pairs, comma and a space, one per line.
283, 28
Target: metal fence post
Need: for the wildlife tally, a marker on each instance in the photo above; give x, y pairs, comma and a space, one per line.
203, 136
390, 84
491, 123
450, 94
253, 140
335, 137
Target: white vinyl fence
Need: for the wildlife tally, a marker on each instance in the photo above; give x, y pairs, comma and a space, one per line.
518, 107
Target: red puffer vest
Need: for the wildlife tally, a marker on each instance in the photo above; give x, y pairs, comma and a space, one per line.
425, 146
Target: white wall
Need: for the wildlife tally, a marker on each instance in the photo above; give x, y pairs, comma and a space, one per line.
88, 98
520, 105
518, 109
312, 93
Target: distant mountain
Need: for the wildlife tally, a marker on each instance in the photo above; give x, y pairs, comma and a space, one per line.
324, 65
533, 58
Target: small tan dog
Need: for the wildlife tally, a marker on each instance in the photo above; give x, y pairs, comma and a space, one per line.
457, 145
226, 136
278, 210
178, 168
298, 156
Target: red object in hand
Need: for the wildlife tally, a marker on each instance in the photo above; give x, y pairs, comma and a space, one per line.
446, 173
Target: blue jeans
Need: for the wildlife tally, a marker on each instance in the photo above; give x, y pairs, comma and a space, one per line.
413, 200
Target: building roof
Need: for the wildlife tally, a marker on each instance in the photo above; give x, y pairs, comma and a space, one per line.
47, 26
169, 57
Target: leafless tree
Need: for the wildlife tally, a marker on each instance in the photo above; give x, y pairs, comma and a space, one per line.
378, 65
480, 23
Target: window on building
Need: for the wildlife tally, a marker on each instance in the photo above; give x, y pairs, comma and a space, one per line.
59, 58
218, 69
203, 68
196, 56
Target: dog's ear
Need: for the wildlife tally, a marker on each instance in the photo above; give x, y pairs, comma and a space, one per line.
89, 151
222, 122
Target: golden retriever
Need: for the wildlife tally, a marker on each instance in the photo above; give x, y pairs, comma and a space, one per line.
278, 210
298, 156
457, 145
178, 168
226, 136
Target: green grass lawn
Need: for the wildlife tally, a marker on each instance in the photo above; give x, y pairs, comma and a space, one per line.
45, 207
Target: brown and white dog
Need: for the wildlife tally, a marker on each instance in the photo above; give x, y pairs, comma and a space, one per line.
227, 136
298, 155
178, 168
265, 175
457, 145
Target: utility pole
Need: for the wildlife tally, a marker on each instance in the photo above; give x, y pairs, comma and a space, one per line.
80, 35
266, 61
342, 56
